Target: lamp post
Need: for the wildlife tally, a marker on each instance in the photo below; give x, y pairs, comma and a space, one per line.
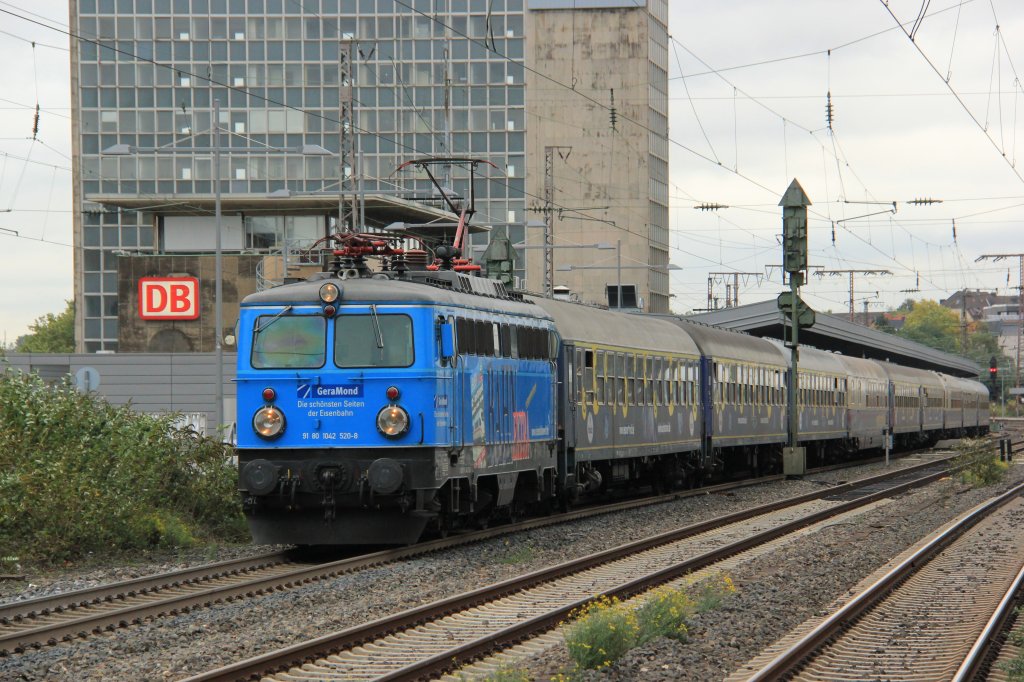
218, 304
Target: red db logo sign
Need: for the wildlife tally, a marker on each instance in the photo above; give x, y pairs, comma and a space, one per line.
169, 298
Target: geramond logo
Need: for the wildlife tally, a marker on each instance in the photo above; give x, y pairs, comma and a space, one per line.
168, 298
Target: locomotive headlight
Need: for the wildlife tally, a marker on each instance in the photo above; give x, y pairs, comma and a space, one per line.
329, 292
268, 422
392, 421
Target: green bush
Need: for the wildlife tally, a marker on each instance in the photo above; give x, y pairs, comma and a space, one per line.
978, 462
79, 475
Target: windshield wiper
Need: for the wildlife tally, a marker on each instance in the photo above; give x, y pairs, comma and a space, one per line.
272, 320
376, 326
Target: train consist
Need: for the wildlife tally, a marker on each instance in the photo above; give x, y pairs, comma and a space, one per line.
375, 406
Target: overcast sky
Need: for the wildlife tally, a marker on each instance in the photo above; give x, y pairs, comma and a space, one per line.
936, 117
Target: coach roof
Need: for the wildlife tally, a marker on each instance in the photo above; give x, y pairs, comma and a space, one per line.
586, 324
386, 290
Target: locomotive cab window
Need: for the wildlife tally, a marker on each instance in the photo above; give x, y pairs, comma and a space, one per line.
358, 341
289, 342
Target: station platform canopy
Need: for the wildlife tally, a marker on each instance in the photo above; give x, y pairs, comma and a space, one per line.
381, 209
834, 333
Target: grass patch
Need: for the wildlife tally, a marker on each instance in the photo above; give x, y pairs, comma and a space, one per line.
78, 475
978, 463
509, 674
517, 555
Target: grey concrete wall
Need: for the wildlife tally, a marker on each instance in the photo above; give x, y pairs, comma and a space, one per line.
152, 382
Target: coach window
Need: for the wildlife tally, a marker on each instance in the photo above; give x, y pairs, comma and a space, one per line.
637, 393
661, 382
649, 379
463, 336
625, 360
606, 376
675, 376
505, 341
482, 337
640, 372
589, 377
620, 378
286, 342
599, 371
373, 341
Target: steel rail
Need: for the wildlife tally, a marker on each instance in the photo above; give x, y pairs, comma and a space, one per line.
304, 652
57, 603
794, 655
979, 652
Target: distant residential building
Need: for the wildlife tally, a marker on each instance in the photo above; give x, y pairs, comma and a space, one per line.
895, 320
974, 302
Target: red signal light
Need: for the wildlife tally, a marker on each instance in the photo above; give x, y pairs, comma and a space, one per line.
393, 393
269, 394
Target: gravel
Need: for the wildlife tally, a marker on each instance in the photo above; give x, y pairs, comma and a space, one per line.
775, 592
779, 591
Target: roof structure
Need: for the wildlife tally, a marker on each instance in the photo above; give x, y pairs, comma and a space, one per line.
381, 210
838, 334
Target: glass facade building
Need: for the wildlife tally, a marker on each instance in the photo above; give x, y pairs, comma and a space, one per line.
429, 77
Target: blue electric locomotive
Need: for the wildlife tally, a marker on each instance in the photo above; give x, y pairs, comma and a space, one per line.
381, 405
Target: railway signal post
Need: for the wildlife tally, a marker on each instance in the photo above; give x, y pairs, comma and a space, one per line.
794, 260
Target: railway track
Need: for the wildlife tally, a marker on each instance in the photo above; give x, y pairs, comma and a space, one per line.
70, 615
437, 637
65, 617
920, 619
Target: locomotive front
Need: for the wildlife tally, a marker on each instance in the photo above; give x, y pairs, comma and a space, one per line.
336, 400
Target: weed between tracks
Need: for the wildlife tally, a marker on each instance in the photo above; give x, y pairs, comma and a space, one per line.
980, 464
517, 555
605, 629
1014, 668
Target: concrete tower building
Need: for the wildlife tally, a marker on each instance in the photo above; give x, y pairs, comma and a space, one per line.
428, 77
607, 145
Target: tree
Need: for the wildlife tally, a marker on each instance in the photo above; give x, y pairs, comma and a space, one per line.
982, 344
882, 324
933, 325
50, 333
